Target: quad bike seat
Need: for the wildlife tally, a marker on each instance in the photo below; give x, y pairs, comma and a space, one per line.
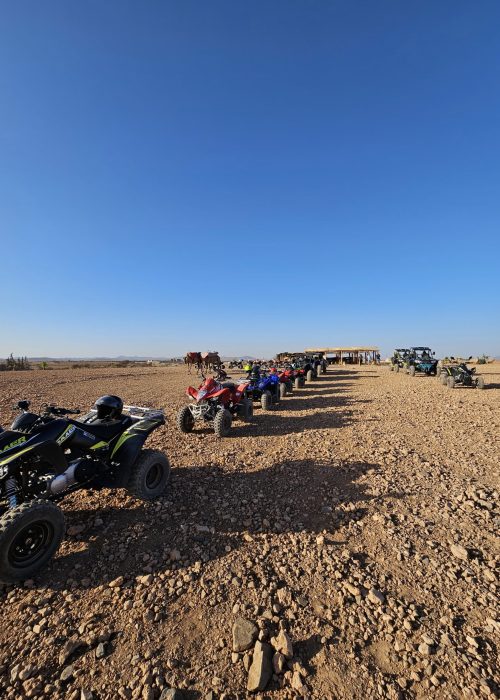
105, 429
229, 385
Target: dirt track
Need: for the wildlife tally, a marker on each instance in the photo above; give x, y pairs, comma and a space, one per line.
362, 515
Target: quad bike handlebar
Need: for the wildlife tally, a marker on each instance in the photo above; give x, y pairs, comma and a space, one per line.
51, 409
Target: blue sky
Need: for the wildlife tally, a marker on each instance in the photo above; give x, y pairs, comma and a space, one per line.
249, 176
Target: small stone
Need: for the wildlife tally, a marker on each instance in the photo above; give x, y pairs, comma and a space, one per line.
116, 583
145, 580
175, 555
283, 644
69, 649
261, 669
172, 694
67, 673
244, 634
86, 694
375, 596
100, 652
279, 663
459, 552
425, 649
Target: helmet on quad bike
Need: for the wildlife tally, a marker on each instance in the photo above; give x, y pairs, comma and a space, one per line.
108, 406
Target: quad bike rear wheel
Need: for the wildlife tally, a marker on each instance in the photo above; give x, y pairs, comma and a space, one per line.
266, 400
30, 535
149, 476
185, 420
289, 387
451, 382
480, 383
297, 383
412, 370
245, 409
283, 390
222, 422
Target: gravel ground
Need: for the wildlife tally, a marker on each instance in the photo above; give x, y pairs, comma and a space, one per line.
343, 545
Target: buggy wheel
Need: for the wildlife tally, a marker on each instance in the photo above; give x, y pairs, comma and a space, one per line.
444, 378
222, 422
149, 475
266, 400
185, 420
396, 368
391, 368
412, 370
283, 390
450, 382
309, 375
480, 383
30, 535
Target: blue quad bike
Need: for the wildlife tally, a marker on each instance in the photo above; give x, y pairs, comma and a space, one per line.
264, 388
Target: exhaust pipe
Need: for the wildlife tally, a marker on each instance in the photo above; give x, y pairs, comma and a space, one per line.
78, 472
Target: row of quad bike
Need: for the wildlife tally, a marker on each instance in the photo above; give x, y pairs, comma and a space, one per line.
421, 360
217, 401
47, 454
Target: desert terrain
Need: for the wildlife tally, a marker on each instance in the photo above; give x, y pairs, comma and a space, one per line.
360, 517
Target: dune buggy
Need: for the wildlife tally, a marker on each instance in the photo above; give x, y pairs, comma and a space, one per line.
461, 375
422, 360
398, 359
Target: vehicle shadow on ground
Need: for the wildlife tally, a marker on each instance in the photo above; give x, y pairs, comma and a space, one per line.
208, 512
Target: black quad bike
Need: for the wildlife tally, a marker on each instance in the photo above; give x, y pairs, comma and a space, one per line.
48, 454
461, 375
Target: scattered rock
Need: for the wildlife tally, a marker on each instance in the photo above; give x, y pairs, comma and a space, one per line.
261, 669
244, 634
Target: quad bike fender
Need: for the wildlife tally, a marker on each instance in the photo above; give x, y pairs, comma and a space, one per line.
49, 451
128, 447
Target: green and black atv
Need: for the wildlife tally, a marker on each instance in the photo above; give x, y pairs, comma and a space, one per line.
48, 454
398, 359
460, 375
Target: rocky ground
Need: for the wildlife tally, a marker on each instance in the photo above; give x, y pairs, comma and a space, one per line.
345, 545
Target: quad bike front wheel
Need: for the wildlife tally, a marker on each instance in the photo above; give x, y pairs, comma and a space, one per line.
266, 400
30, 535
222, 423
283, 390
310, 375
289, 387
185, 420
149, 476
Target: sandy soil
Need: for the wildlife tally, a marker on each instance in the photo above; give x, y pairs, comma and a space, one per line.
361, 517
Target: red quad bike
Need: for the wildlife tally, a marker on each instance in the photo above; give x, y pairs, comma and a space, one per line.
286, 377
217, 403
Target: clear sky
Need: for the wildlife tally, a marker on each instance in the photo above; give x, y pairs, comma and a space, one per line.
249, 176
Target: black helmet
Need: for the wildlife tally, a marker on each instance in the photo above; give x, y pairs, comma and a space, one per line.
108, 406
